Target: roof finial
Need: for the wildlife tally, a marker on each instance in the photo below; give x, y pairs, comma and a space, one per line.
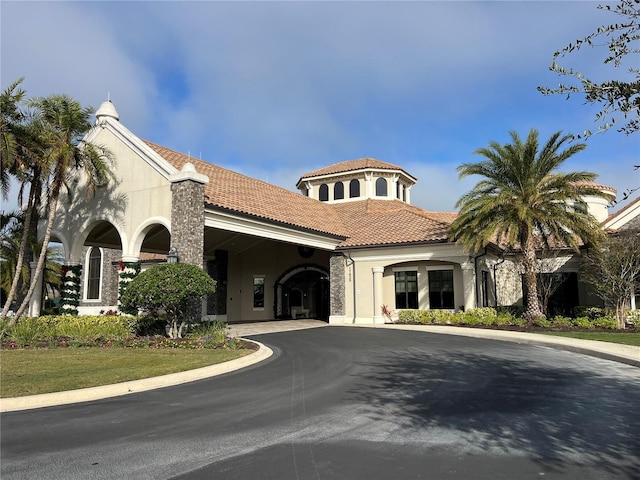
108, 96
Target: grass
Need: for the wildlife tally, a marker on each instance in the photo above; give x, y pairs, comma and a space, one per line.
34, 371
613, 337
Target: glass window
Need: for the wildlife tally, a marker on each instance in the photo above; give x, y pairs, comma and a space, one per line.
441, 289
338, 191
354, 188
258, 292
406, 289
93, 274
324, 193
485, 288
381, 187
398, 190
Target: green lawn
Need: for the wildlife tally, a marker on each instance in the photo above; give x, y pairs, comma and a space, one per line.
33, 371
613, 337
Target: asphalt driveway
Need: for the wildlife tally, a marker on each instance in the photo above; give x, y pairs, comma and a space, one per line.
351, 403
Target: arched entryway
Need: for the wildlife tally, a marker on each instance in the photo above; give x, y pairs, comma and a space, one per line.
303, 292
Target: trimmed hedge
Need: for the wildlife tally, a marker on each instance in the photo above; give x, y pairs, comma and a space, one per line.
115, 329
491, 317
82, 329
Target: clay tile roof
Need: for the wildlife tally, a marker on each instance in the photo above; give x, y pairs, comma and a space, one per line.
391, 222
351, 165
238, 193
612, 191
622, 210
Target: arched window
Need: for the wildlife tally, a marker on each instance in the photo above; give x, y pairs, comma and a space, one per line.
398, 190
324, 193
354, 188
94, 273
338, 191
381, 187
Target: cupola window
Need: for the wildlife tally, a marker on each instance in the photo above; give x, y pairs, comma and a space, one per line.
324, 193
338, 191
381, 187
354, 188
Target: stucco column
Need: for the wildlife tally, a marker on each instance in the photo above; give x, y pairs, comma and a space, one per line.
377, 294
187, 214
337, 290
469, 283
35, 302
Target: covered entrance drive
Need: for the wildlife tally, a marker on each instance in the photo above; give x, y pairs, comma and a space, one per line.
262, 279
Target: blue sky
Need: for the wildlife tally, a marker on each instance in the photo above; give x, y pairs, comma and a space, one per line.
277, 89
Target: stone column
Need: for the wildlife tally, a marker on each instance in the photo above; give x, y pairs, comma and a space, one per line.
469, 283
336, 289
377, 294
187, 214
35, 302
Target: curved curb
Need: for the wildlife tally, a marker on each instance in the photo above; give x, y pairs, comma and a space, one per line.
616, 352
105, 391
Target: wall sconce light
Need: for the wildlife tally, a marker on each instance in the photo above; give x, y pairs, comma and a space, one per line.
172, 257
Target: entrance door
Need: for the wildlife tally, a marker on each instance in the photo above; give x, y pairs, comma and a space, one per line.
303, 293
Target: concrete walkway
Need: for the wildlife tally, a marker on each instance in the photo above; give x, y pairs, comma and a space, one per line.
611, 351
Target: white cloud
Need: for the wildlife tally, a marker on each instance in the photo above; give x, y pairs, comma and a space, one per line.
280, 88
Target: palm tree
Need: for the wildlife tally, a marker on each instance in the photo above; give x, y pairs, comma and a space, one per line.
11, 231
19, 155
10, 238
62, 123
11, 122
523, 202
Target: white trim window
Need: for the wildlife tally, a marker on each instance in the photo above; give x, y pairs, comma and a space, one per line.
258, 292
441, 295
406, 289
93, 278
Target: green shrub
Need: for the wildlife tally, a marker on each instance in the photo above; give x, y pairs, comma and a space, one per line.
173, 288
583, 322
80, 330
483, 312
472, 320
28, 331
606, 322
428, 317
518, 322
4, 328
591, 313
515, 311
485, 316
542, 322
561, 322
88, 329
147, 325
633, 317
210, 333
409, 316
504, 320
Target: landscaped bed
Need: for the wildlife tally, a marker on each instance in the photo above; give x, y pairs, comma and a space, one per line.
58, 353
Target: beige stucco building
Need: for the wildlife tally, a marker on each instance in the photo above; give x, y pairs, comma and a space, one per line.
347, 244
